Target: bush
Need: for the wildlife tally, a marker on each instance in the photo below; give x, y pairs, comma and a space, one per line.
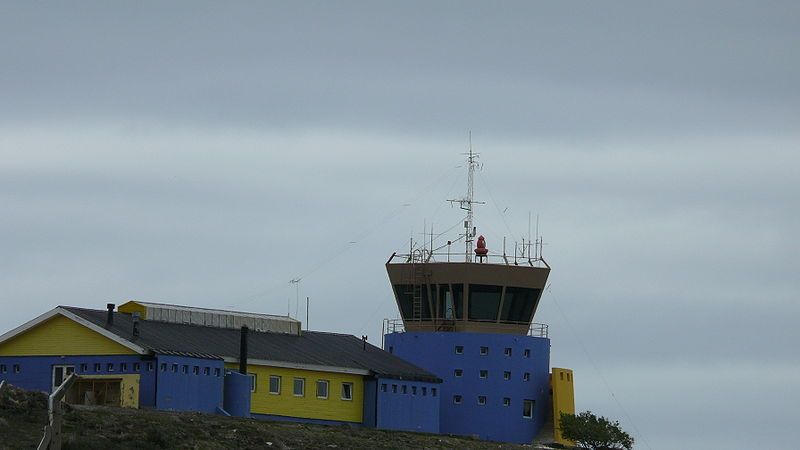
590, 431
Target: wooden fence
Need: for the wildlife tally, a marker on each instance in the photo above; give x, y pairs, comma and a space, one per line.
52, 431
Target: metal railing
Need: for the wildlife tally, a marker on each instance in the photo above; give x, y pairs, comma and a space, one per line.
398, 325
426, 256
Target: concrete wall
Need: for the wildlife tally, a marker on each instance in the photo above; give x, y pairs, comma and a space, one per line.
493, 420
237, 394
408, 405
189, 384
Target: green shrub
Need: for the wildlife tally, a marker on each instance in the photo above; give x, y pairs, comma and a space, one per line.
590, 431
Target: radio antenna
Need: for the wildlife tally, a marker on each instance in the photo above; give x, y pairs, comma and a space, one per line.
466, 203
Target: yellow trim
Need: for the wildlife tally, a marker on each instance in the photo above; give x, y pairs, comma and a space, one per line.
132, 307
563, 400
61, 336
309, 406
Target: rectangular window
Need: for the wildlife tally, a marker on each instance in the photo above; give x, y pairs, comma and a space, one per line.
347, 391
457, 399
275, 384
526, 376
196, 370
561, 376
433, 392
569, 377
506, 401
424, 390
527, 353
484, 374
481, 400
185, 369
506, 375
459, 349
174, 368
3, 368
507, 351
150, 367
123, 367
383, 387
527, 409
84, 368
216, 372
413, 390
206, 370
163, 367
484, 351
394, 389
110, 367
405, 389
16, 368
60, 374
253, 382
322, 388
458, 372
484, 301
137, 367
299, 389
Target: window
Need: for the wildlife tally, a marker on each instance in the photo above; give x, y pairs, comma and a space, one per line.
275, 384
84, 368
3, 368
484, 351
137, 367
433, 392
458, 372
569, 377
185, 369
196, 370
484, 374
526, 376
561, 376
527, 353
506, 375
216, 371
174, 368
383, 387
459, 349
299, 389
424, 390
518, 304
405, 389
110, 367
123, 367
347, 391
457, 399
481, 400
507, 351
150, 367
163, 367
16, 368
206, 370
484, 301
527, 409
97, 367
253, 383
322, 388
506, 401
413, 390
60, 374
394, 389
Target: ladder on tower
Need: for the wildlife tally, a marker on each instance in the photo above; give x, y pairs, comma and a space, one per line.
417, 285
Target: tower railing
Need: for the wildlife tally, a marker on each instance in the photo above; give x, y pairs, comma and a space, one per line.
541, 330
426, 256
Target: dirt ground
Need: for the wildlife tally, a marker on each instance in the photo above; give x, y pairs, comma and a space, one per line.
23, 415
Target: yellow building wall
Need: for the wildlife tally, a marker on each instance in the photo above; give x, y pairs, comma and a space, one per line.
61, 336
308, 406
129, 387
561, 382
132, 307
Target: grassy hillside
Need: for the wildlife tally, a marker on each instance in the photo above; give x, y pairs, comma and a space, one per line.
23, 414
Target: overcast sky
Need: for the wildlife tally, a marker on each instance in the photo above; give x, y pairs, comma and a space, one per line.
207, 153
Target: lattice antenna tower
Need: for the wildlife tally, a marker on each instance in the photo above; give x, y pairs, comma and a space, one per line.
467, 202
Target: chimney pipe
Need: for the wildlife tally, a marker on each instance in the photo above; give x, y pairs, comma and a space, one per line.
364, 341
136, 324
243, 351
110, 316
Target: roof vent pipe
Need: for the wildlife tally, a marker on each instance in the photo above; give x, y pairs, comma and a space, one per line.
110, 317
243, 351
364, 341
136, 324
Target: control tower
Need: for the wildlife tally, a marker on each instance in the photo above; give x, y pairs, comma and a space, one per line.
467, 316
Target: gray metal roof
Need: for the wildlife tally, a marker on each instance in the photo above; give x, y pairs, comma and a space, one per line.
308, 348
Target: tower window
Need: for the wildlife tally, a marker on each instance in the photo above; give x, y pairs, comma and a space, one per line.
457, 399
484, 374
527, 409
507, 351
383, 387
175, 368
484, 351
459, 349
526, 376
433, 392
506, 375
527, 353
405, 389
481, 400
413, 390
458, 372
394, 389
506, 401
424, 390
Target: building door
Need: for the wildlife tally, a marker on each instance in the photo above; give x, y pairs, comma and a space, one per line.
60, 373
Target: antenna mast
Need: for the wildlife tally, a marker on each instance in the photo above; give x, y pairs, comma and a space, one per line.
466, 203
